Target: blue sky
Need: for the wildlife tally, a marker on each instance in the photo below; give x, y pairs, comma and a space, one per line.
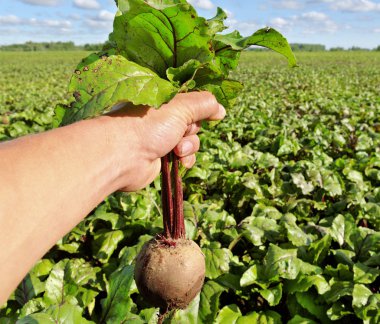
343, 23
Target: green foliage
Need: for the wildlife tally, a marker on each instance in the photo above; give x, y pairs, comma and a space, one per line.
291, 249
158, 49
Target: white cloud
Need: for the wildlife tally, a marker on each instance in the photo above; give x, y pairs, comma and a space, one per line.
245, 28
280, 23
312, 22
42, 2
376, 30
103, 20
106, 15
87, 4
12, 20
353, 5
288, 4
202, 4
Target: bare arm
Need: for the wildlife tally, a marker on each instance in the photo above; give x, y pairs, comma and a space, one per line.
51, 181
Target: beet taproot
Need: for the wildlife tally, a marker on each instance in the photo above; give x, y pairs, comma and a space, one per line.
170, 274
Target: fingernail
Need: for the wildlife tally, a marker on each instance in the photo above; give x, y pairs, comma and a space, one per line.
186, 148
221, 113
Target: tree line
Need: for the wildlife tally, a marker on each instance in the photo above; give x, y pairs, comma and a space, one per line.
71, 46
50, 46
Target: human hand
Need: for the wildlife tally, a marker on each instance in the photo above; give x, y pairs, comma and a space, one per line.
143, 135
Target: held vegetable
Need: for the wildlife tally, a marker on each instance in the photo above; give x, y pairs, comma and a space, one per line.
159, 48
169, 276
170, 270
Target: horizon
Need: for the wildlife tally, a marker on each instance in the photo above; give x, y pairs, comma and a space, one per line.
342, 23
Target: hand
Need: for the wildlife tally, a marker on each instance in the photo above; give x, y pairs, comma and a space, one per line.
145, 135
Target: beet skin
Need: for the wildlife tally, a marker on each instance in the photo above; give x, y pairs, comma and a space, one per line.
169, 276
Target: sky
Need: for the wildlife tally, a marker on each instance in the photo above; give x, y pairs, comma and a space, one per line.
343, 23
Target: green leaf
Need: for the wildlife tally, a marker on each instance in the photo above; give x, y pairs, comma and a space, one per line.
331, 183
60, 314
360, 296
338, 311
295, 234
272, 295
188, 315
67, 313
105, 243
266, 211
37, 318
371, 312
225, 91
149, 315
266, 37
281, 263
209, 301
343, 256
300, 182
341, 272
55, 285
103, 81
66, 279
318, 250
310, 303
162, 37
128, 254
117, 304
34, 305
228, 314
265, 317
301, 320
303, 283
338, 290
249, 277
337, 230
29, 288
364, 274
260, 229
217, 260
216, 24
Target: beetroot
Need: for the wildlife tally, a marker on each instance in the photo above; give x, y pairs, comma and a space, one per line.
170, 276
170, 269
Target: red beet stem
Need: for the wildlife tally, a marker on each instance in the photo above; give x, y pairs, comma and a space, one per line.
166, 196
179, 222
172, 200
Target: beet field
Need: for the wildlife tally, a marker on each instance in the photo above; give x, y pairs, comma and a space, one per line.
284, 201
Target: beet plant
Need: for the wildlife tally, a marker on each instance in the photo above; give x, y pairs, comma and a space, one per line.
160, 48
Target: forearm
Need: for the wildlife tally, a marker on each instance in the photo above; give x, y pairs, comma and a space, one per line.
49, 183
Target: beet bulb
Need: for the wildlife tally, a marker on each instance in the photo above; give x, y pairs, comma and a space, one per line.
169, 274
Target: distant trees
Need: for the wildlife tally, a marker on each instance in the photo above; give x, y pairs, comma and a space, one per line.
50, 46
308, 47
70, 46
336, 49
93, 47
357, 48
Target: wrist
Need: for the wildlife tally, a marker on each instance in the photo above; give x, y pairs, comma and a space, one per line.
131, 166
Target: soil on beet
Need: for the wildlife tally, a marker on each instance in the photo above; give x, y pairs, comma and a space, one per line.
169, 276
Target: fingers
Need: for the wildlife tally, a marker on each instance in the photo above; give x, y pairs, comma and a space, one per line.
186, 150
196, 106
193, 129
187, 146
188, 161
